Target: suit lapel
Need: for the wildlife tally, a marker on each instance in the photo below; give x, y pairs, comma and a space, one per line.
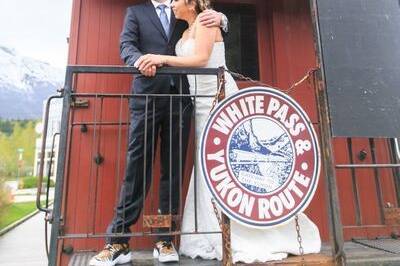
151, 11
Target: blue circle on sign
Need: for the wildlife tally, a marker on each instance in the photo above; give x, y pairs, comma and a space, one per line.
260, 155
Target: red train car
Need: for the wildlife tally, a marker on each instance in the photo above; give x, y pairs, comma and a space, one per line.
283, 50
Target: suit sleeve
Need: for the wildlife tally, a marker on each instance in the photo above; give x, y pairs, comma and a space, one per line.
129, 39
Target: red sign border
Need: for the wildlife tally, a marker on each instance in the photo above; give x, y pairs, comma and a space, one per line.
317, 155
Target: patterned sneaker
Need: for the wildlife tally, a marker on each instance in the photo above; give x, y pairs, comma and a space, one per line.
111, 255
165, 252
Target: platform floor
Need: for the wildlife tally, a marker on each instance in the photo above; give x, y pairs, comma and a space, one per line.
24, 245
356, 254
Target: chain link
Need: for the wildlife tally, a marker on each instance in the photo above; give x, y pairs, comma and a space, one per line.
220, 95
216, 212
288, 91
225, 234
221, 91
242, 77
300, 241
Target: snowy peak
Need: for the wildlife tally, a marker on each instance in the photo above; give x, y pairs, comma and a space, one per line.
7, 50
24, 73
24, 84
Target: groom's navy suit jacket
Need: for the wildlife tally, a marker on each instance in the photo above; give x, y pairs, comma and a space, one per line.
144, 34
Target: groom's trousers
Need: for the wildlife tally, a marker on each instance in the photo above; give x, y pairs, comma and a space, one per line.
171, 122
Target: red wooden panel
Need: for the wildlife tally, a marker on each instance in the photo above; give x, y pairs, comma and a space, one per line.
370, 232
366, 185
385, 174
94, 40
317, 211
344, 183
286, 51
294, 50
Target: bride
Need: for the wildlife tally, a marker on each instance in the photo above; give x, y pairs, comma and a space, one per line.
201, 46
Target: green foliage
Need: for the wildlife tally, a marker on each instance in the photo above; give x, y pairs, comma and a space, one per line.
31, 182
16, 135
16, 211
6, 127
28, 182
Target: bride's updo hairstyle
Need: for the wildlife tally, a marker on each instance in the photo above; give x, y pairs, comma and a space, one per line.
201, 5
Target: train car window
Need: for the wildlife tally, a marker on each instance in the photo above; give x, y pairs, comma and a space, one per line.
241, 42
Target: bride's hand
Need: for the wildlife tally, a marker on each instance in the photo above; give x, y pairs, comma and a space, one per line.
148, 60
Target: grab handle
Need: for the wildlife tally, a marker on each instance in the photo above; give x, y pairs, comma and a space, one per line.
42, 155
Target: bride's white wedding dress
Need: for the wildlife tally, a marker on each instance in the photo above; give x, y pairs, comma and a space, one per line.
248, 244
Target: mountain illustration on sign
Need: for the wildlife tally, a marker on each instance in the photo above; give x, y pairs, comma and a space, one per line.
260, 155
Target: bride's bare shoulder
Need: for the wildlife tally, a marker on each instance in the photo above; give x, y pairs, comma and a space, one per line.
198, 26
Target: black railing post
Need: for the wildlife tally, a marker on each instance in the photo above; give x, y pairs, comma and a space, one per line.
60, 168
326, 146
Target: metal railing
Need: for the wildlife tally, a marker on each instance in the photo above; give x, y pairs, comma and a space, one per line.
73, 99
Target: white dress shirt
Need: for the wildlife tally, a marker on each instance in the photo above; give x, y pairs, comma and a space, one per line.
168, 9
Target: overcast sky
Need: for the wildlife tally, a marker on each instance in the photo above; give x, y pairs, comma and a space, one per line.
36, 28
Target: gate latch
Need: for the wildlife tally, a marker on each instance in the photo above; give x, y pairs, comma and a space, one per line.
80, 103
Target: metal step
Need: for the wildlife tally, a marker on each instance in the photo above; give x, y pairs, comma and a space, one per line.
385, 252
356, 254
145, 258
142, 258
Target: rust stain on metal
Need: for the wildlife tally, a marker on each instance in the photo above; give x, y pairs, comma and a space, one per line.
160, 221
392, 216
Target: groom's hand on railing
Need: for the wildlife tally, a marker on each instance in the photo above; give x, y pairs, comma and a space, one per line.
147, 64
149, 70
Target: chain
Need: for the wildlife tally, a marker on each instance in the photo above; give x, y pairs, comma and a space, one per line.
307, 77
300, 240
288, 91
242, 77
220, 95
225, 233
216, 212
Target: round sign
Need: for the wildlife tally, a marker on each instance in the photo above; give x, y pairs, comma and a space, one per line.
260, 157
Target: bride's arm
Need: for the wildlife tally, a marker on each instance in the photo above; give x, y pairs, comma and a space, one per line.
204, 41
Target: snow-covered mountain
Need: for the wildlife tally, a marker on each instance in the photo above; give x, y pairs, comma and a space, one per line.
24, 84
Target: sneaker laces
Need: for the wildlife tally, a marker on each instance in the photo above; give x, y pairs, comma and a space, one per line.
105, 254
108, 251
113, 248
166, 246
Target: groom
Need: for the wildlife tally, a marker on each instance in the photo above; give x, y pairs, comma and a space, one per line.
151, 27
